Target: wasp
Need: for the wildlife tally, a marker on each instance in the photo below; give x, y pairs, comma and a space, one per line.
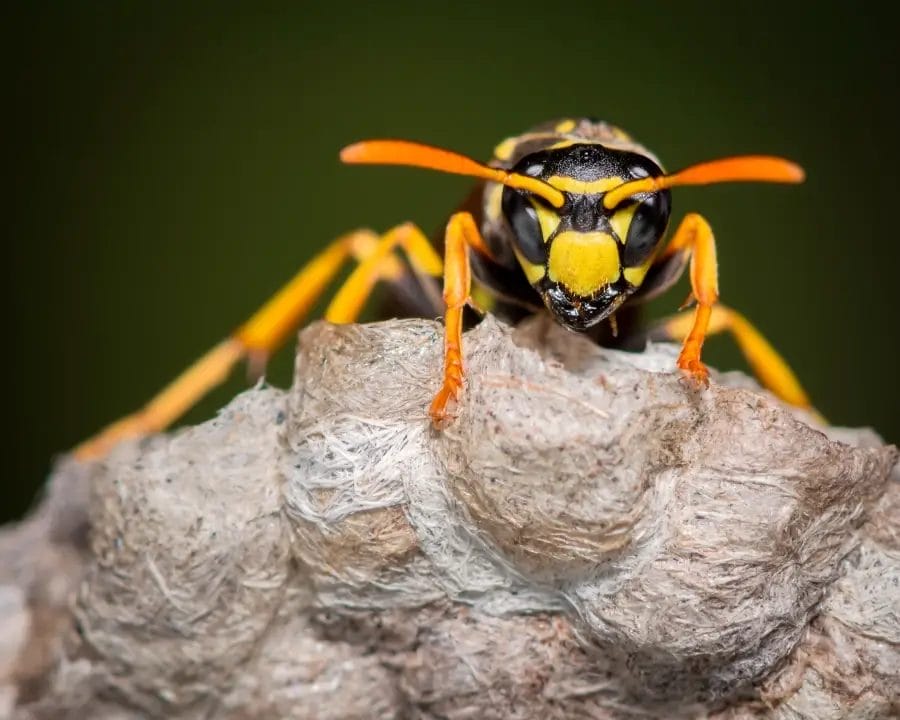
568, 218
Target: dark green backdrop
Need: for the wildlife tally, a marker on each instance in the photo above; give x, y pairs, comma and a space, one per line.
169, 168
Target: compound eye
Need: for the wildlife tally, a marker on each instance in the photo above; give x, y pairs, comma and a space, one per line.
526, 227
647, 227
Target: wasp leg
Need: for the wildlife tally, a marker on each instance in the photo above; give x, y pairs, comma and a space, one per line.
695, 237
771, 369
267, 329
348, 303
462, 233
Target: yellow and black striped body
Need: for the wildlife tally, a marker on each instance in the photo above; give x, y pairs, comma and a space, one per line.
568, 218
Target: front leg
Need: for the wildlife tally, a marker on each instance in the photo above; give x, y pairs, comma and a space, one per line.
462, 233
695, 237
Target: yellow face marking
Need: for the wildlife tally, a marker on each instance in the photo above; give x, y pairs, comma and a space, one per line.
495, 203
584, 262
533, 272
621, 221
567, 184
636, 275
547, 218
505, 150
565, 126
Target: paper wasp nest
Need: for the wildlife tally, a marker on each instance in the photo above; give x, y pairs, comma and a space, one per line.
591, 539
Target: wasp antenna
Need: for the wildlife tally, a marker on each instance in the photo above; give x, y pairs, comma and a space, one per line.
758, 168
403, 152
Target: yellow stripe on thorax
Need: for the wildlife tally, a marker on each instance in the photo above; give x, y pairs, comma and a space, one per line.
584, 262
505, 149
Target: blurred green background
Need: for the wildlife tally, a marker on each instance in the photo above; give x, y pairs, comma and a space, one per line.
169, 165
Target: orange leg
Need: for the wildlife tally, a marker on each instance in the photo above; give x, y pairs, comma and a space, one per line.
268, 328
350, 299
695, 236
771, 369
462, 233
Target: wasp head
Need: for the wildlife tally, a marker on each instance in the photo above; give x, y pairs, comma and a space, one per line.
586, 219
584, 258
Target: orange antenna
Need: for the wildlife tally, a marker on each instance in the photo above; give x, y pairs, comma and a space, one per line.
402, 152
759, 168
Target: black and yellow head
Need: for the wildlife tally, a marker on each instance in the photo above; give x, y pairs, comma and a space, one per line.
582, 205
584, 258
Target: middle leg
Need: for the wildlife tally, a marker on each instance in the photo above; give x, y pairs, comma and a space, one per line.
268, 328
694, 239
768, 365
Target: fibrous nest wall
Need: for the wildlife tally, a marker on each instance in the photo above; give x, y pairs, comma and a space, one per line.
593, 537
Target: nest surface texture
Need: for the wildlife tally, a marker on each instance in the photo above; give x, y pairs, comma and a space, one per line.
592, 537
